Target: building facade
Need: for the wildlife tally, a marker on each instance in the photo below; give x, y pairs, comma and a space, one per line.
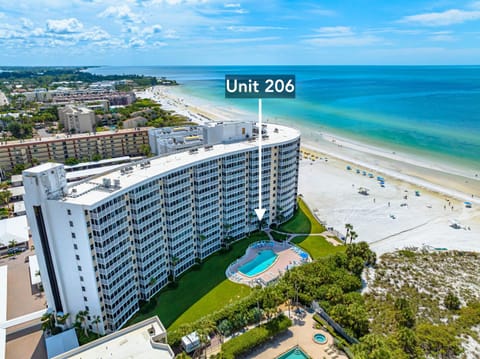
108, 144
77, 119
106, 243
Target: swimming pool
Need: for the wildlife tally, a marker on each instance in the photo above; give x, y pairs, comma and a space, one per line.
294, 353
319, 338
260, 263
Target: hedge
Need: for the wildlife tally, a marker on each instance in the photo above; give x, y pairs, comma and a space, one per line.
245, 342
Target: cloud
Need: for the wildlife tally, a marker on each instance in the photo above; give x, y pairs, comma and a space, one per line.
170, 34
122, 12
340, 36
26, 23
137, 43
445, 18
253, 28
334, 31
63, 26
152, 30
96, 34
344, 41
230, 5
239, 40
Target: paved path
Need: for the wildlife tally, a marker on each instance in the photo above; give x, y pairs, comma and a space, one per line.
329, 236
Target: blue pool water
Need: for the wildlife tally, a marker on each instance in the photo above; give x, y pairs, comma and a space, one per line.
294, 353
319, 338
260, 263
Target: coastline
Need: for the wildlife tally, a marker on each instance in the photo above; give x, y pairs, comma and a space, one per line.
331, 190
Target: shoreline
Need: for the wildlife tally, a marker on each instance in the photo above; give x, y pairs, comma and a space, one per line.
444, 179
390, 217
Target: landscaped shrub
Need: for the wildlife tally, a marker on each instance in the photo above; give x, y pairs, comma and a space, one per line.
254, 337
451, 301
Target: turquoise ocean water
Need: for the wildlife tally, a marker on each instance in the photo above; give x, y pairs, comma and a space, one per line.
430, 111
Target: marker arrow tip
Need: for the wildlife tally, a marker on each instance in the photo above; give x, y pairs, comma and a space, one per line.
260, 213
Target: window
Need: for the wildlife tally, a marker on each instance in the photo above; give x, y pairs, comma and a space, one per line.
79, 268
85, 299
83, 289
86, 308
74, 236
77, 257
70, 223
81, 279
74, 245
69, 212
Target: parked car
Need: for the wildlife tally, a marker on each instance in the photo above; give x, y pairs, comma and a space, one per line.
16, 250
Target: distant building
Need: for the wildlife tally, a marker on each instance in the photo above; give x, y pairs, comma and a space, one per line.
144, 340
138, 121
77, 119
107, 144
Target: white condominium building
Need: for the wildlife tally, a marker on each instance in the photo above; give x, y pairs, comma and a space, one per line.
108, 242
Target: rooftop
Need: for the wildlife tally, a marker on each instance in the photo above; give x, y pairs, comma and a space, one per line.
95, 190
143, 340
15, 228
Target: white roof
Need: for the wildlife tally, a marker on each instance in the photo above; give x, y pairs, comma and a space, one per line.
33, 267
191, 339
19, 207
17, 178
88, 193
17, 191
15, 228
90, 172
132, 342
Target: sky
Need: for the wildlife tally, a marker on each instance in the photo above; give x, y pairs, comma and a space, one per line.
211, 32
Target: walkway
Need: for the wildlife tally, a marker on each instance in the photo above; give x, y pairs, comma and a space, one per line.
328, 235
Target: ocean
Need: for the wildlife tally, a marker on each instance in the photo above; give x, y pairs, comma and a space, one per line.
428, 111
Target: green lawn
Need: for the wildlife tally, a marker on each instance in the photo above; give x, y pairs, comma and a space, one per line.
305, 222
302, 222
200, 292
317, 246
223, 294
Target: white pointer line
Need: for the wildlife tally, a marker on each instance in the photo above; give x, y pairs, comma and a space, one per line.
260, 211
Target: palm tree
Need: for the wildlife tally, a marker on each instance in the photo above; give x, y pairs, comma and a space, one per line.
48, 321
81, 318
13, 243
349, 228
62, 318
353, 236
96, 320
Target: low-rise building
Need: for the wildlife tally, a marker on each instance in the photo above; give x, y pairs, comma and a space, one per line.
135, 122
76, 119
107, 144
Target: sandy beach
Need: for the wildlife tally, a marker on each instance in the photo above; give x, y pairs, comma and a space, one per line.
390, 217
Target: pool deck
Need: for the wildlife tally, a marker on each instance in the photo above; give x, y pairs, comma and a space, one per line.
288, 257
300, 333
